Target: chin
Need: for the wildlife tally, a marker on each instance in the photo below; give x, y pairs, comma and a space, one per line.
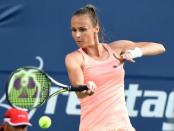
81, 46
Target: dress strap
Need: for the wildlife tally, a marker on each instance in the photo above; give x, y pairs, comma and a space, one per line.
110, 50
112, 53
86, 59
81, 52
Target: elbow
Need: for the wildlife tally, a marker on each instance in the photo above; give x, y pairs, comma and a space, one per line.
162, 48
157, 49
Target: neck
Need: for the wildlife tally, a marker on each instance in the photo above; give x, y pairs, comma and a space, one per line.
95, 51
99, 50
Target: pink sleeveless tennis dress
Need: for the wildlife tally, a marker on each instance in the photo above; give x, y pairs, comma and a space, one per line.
106, 109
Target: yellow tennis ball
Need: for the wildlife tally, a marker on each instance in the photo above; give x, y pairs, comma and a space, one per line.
45, 122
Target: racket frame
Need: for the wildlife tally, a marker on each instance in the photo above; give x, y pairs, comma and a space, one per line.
64, 88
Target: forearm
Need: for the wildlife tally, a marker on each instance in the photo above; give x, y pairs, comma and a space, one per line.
129, 50
150, 48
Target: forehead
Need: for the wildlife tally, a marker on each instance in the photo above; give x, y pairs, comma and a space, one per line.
81, 20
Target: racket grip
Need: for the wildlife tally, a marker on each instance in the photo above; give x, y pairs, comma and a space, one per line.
78, 88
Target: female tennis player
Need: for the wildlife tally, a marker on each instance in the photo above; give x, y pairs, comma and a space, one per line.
99, 65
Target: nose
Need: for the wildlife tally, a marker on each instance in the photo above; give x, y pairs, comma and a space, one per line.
77, 34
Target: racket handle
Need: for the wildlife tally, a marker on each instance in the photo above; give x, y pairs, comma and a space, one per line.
78, 88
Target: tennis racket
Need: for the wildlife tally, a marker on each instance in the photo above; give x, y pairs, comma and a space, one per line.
29, 87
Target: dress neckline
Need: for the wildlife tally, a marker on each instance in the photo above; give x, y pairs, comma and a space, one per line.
97, 60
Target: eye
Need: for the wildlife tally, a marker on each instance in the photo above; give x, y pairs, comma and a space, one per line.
73, 30
82, 29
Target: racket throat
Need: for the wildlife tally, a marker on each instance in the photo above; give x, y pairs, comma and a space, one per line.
57, 92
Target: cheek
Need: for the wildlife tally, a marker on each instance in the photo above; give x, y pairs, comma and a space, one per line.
90, 37
73, 35
87, 34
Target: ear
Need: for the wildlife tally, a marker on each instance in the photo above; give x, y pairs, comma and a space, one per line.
97, 28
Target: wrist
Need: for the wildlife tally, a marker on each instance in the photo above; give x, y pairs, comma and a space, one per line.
136, 52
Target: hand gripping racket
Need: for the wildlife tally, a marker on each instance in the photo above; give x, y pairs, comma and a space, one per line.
29, 87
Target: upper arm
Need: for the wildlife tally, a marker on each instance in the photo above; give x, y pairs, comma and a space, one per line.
122, 45
73, 62
148, 48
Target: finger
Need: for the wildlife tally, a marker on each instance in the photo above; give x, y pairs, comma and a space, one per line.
128, 57
90, 93
131, 60
119, 57
84, 92
91, 86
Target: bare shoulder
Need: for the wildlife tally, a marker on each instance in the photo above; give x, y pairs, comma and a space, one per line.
73, 58
120, 44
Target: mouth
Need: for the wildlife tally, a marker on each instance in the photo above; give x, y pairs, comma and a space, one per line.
79, 42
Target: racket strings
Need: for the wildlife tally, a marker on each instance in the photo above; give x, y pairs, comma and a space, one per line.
33, 94
44, 86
